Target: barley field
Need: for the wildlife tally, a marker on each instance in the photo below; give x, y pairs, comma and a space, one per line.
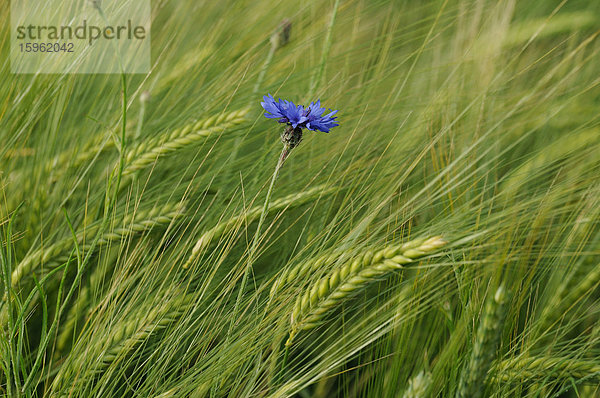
442, 241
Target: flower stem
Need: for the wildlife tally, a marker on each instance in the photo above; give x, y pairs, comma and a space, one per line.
256, 239
253, 248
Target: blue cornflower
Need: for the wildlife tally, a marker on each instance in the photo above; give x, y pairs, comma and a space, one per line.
299, 117
316, 120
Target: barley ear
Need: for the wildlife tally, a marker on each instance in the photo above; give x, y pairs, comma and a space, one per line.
570, 292
534, 368
352, 277
129, 334
147, 152
474, 373
141, 221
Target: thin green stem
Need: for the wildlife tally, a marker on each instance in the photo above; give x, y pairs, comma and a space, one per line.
263, 214
237, 143
256, 240
316, 78
138, 130
254, 247
328, 39
265, 67
6, 267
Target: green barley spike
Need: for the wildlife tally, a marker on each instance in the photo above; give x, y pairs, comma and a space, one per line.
133, 331
352, 277
291, 275
54, 255
67, 159
474, 374
147, 152
141, 221
566, 298
526, 368
300, 271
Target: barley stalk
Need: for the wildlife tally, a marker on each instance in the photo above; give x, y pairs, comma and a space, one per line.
147, 152
290, 201
473, 377
352, 277
538, 368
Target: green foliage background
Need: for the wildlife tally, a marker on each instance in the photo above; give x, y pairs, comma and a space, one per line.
472, 120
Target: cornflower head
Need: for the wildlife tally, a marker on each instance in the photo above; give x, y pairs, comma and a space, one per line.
297, 118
